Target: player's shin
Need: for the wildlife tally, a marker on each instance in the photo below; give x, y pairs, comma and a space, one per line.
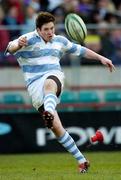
67, 141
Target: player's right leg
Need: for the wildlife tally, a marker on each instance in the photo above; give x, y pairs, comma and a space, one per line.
52, 89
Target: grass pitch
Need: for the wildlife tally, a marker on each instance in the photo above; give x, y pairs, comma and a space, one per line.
59, 166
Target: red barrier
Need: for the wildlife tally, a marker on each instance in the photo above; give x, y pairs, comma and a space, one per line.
82, 87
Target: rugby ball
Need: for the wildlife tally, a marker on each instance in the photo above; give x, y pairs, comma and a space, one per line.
75, 28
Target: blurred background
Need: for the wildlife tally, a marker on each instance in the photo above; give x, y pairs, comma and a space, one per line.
92, 96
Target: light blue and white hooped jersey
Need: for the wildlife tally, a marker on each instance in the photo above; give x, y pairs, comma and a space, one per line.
39, 58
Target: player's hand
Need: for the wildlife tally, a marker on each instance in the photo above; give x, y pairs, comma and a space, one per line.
107, 62
22, 42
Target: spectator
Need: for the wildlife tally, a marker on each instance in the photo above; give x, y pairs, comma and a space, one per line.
85, 9
59, 14
11, 19
8, 4
112, 19
116, 37
4, 36
31, 13
107, 45
53, 4
93, 42
71, 6
101, 9
44, 5
116, 58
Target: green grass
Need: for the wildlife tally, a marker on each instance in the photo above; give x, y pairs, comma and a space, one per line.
104, 166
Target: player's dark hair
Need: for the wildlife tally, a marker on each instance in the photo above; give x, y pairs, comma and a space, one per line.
43, 18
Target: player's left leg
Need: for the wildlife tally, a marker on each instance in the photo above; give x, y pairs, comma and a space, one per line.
69, 144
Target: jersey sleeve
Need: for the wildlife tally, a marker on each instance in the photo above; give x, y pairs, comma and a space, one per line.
73, 48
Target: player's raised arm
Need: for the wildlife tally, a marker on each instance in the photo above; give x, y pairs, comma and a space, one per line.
17, 44
105, 61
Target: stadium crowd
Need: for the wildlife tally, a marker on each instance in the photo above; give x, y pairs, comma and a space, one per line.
102, 17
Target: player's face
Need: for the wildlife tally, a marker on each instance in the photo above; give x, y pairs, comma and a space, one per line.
47, 31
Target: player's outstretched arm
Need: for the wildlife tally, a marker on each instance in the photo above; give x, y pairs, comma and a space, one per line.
16, 45
105, 61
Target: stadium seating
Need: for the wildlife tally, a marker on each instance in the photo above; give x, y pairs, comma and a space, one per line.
112, 96
13, 98
76, 97
89, 97
69, 96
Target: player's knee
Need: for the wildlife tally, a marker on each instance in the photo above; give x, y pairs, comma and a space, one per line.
50, 85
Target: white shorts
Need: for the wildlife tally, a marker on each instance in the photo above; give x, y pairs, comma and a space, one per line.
36, 88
